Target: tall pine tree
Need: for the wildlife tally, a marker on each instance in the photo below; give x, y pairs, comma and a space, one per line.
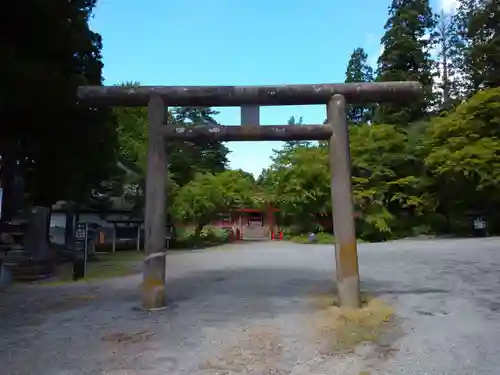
408, 40
358, 70
478, 26
450, 85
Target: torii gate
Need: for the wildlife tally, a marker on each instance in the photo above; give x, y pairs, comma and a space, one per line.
249, 98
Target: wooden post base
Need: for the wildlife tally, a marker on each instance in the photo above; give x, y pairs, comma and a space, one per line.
153, 294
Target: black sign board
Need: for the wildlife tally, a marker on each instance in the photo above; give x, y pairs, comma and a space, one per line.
169, 230
80, 265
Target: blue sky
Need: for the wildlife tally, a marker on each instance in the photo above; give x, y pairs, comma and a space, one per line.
239, 42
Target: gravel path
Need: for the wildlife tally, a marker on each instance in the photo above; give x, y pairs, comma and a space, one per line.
244, 309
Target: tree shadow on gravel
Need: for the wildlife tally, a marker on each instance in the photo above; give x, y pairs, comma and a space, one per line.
274, 283
225, 294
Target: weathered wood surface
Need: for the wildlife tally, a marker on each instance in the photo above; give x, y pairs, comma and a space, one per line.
153, 284
205, 133
346, 254
250, 115
201, 96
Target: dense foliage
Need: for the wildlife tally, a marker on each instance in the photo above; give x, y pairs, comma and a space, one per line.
416, 168
206, 195
419, 168
47, 137
185, 160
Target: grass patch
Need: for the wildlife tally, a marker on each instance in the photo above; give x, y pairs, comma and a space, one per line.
340, 330
321, 239
107, 265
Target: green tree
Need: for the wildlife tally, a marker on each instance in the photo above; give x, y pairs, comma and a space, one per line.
290, 144
388, 185
298, 180
478, 25
408, 39
388, 191
461, 152
358, 70
133, 133
187, 158
184, 158
62, 148
207, 194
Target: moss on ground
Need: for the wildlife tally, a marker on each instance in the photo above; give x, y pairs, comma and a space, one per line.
340, 330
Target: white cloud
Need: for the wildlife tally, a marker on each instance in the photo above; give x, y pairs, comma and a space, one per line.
372, 59
449, 6
373, 48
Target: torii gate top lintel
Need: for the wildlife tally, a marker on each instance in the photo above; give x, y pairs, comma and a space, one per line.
220, 96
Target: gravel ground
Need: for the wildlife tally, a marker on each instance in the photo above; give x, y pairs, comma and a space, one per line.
244, 309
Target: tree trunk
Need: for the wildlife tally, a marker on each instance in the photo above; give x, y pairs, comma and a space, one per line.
69, 228
36, 241
197, 231
49, 218
8, 177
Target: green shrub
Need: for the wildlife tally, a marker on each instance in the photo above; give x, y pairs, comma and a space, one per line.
209, 237
322, 238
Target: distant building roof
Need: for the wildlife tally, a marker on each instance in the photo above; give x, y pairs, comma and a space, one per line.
114, 204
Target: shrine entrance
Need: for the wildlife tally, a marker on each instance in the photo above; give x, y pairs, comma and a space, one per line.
255, 224
336, 97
